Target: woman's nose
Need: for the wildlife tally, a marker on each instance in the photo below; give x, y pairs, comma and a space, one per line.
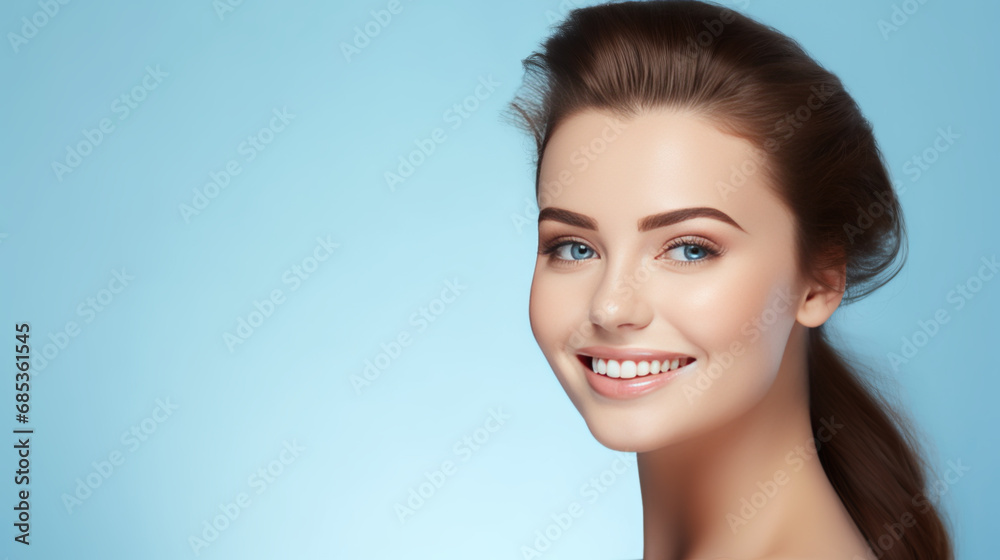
619, 301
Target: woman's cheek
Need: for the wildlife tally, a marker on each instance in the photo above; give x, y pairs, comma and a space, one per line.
763, 336
551, 309
721, 317
538, 315
709, 309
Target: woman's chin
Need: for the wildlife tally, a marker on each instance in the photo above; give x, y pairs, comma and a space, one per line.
626, 437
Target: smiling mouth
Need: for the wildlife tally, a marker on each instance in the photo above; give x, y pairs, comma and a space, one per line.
629, 369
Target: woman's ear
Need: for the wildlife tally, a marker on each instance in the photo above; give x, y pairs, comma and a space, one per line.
822, 296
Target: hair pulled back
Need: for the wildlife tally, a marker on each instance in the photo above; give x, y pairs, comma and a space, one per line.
820, 155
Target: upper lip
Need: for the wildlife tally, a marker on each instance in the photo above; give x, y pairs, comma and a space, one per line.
629, 354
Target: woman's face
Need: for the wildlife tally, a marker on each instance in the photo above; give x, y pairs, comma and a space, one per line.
661, 244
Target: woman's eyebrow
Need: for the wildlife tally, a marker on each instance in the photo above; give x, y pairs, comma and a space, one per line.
648, 223
567, 217
664, 219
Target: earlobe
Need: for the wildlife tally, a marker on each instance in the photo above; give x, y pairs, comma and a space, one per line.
822, 297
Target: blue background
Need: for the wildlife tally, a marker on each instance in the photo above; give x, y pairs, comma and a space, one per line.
360, 450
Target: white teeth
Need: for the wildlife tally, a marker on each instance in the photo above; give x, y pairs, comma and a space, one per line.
614, 369
628, 369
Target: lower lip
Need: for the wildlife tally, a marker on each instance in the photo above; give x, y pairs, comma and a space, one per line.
621, 389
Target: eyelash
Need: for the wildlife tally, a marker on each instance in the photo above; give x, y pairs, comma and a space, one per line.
710, 249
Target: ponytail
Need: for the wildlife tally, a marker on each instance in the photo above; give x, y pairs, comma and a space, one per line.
872, 461
623, 57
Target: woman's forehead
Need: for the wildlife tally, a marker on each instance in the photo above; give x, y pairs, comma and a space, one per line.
660, 160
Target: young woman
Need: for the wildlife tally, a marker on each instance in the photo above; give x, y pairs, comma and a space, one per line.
708, 196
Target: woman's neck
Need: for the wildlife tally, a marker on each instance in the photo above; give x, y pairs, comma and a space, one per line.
751, 488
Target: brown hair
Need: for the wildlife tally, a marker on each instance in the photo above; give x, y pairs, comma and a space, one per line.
821, 156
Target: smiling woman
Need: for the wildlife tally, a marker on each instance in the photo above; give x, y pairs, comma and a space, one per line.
686, 266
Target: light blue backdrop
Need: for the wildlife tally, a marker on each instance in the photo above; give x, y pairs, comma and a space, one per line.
170, 171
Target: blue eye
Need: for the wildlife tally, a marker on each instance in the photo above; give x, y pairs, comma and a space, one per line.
691, 252
687, 251
573, 251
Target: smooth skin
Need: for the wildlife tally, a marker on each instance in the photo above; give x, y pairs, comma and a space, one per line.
730, 296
